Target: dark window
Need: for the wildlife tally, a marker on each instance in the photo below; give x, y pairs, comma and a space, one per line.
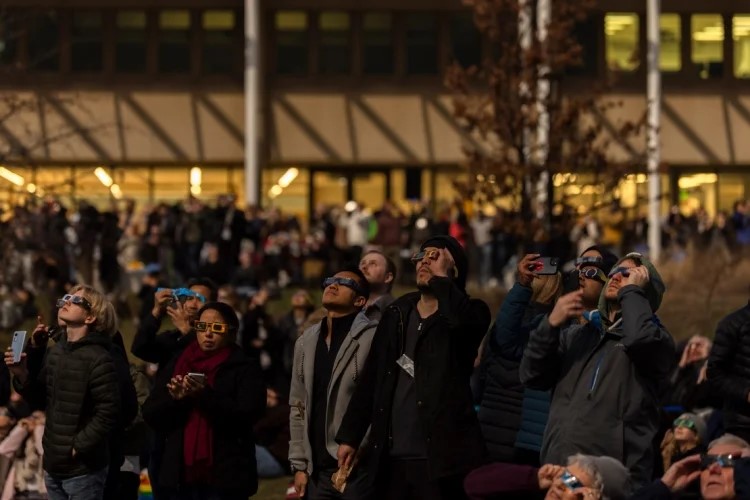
44, 41
421, 44
130, 41
466, 40
174, 41
377, 43
219, 47
10, 30
335, 43
86, 42
291, 42
586, 34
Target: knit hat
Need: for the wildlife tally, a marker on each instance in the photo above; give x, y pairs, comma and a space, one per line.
457, 252
607, 261
700, 426
615, 478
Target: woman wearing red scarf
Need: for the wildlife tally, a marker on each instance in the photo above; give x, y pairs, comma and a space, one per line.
206, 402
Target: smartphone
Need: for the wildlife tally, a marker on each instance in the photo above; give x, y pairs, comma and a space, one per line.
545, 265
198, 377
19, 340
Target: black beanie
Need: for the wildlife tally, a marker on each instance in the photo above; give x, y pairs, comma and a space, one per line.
227, 312
608, 258
457, 252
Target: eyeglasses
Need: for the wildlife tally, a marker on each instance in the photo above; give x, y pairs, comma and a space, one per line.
570, 480
74, 299
592, 273
204, 326
625, 271
723, 461
684, 422
183, 294
431, 254
347, 282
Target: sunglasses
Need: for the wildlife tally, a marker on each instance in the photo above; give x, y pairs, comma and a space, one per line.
74, 299
570, 480
431, 254
592, 273
625, 271
684, 422
347, 282
724, 461
204, 326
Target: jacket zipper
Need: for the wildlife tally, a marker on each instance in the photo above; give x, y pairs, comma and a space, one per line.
595, 377
402, 342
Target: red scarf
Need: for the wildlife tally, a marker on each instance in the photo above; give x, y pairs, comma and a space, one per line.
198, 442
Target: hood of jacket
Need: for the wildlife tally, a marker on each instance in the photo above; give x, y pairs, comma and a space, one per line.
654, 289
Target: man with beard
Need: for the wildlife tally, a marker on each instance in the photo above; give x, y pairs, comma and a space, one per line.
380, 272
414, 392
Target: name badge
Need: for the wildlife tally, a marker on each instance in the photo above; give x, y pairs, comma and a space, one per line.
407, 364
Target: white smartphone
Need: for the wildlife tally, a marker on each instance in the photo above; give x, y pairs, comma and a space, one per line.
17, 345
198, 377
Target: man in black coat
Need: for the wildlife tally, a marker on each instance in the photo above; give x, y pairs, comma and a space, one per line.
729, 370
414, 390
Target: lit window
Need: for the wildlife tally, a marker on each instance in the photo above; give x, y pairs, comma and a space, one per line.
621, 33
421, 44
741, 37
219, 47
670, 57
44, 41
174, 41
130, 41
377, 42
335, 53
86, 41
466, 40
707, 32
291, 42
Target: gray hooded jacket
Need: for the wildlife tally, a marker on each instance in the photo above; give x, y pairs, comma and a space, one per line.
605, 379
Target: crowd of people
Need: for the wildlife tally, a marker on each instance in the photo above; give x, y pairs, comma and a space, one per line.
576, 390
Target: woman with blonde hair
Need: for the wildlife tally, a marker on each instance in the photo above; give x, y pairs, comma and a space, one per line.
513, 418
77, 380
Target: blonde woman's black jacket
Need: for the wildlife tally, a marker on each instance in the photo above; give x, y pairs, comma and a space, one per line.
78, 389
444, 361
233, 405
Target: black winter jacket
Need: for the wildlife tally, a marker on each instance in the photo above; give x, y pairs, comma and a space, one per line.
4, 385
445, 355
154, 348
78, 381
729, 369
233, 405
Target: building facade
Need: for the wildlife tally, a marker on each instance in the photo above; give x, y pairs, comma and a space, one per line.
352, 100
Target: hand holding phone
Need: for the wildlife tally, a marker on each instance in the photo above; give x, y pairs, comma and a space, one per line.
198, 377
17, 345
545, 265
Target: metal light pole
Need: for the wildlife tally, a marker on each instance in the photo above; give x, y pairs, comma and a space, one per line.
543, 19
652, 142
252, 171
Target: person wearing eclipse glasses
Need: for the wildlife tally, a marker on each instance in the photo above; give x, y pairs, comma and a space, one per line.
328, 361
606, 373
205, 402
77, 384
182, 306
414, 391
723, 473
